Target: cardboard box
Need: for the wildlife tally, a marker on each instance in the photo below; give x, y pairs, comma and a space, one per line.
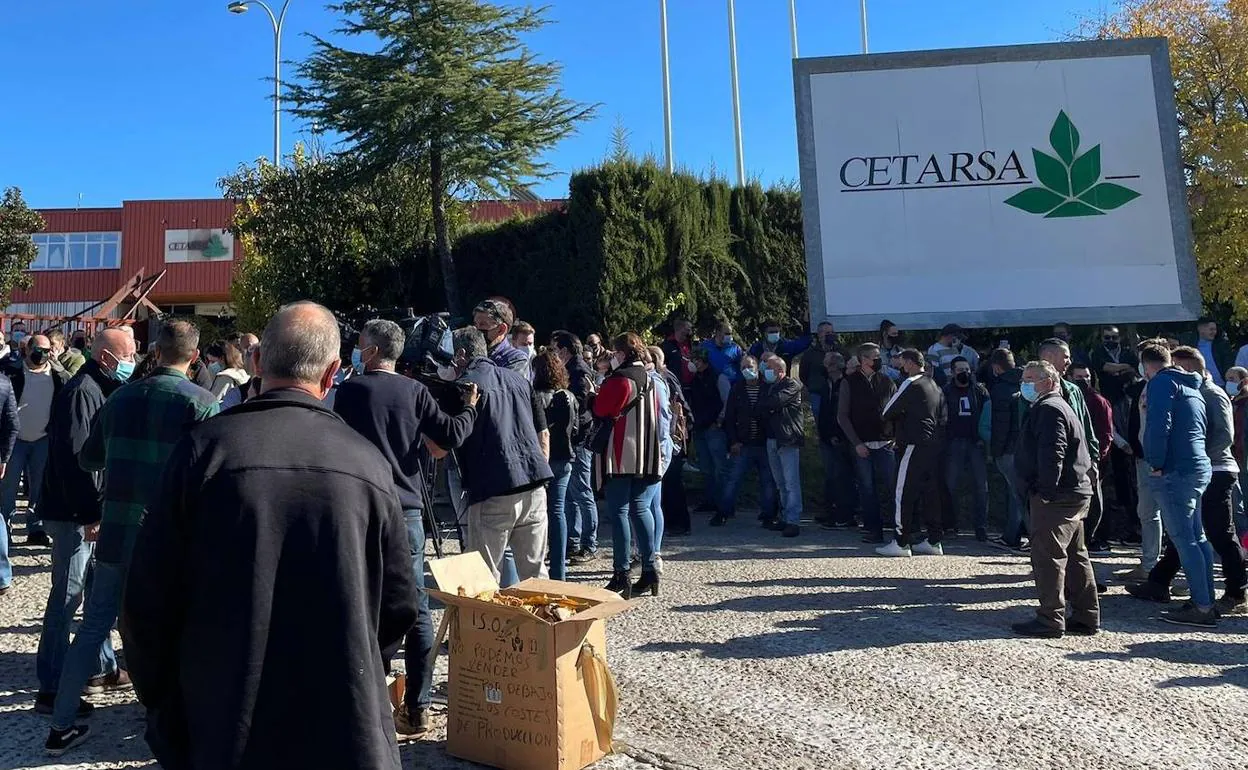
524, 693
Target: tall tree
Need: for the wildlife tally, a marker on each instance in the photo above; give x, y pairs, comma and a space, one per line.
17, 222
451, 89
1210, 69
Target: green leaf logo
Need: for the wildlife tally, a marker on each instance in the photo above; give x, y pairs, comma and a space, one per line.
215, 248
1071, 183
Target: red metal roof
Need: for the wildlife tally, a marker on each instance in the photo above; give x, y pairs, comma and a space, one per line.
142, 225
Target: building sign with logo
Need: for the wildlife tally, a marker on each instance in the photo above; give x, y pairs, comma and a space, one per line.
204, 245
994, 187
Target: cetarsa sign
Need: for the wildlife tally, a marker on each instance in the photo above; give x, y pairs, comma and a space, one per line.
1069, 182
1011, 186
201, 245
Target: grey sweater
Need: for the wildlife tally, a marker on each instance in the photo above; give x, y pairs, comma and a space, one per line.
1219, 427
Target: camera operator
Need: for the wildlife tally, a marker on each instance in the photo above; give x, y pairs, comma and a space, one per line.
394, 412
505, 478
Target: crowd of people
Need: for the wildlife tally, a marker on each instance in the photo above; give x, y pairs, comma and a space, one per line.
155, 477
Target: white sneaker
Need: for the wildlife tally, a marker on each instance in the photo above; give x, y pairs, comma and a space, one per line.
892, 549
927, 549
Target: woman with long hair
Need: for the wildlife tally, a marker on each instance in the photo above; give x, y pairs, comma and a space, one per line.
229, 373
550, 383
630, 464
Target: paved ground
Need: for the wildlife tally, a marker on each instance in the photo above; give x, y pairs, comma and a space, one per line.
763, 652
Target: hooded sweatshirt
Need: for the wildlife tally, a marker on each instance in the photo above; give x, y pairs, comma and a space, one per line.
1175, 423
1220, 427
227, 379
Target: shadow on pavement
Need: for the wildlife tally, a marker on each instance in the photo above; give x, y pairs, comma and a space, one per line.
1187, 651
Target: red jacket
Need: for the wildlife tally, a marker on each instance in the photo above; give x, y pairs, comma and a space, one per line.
1102, 415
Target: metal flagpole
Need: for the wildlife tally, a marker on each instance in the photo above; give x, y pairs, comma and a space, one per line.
862, 15
793, 25
736, 95
669, 161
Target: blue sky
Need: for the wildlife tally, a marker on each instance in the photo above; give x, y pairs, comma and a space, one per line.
142, 99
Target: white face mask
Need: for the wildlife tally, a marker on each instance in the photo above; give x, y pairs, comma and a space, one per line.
693, 368
448, 373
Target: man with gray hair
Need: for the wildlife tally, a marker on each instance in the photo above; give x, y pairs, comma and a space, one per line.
394, 413
1052, 462
278, 528
505, 485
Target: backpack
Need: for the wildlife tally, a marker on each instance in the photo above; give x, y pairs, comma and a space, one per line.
680, 423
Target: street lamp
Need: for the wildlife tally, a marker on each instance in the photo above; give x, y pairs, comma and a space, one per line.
240, 7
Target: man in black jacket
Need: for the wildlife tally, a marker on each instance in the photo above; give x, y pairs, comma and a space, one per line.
917, 414
580, 506
835, 451
71, 511
965, 400
394, 413
863, 395
709, 438
780, 407
1003, 441
1053, 461
8, 437
747, 447
271, 580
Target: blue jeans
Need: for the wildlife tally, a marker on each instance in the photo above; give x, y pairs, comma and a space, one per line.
654, 499
83, 659
582, 508
1017, 506
1148, 509
556, 521
419, 641
712, 448
750, 457
71, 559
786, 469
963, 452
6, 567
628, 502
838, 483
816, 401
1179, 498
30, 457
876, 477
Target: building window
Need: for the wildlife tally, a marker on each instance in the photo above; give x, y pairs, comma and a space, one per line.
77, 251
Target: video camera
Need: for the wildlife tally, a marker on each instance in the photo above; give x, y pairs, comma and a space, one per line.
427, 346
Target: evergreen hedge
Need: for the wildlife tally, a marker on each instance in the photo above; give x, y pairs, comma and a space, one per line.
634, 242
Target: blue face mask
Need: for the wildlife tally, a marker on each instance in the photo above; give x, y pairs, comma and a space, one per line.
769, 375
1232, 388
750, 374
1028, 391
357, 361
123, 371
727, 340
773, 337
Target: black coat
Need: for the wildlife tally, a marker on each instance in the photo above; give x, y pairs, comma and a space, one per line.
780, 408
1005, 412
705, 400
739, 416
1052, 459
270, 584
918, 411
69, 492
8, 419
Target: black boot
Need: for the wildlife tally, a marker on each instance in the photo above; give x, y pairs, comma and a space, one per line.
621, 585
649, 582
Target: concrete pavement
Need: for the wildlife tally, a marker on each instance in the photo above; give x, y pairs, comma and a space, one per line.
763, 652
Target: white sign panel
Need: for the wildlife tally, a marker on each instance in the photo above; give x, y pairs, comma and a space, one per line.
993, 187
204, 245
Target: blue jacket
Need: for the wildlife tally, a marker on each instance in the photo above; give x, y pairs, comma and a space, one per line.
786, 349
1174, 428
501, 456
725, 361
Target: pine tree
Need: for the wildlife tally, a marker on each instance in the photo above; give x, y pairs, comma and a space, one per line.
17, 222
451, 89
